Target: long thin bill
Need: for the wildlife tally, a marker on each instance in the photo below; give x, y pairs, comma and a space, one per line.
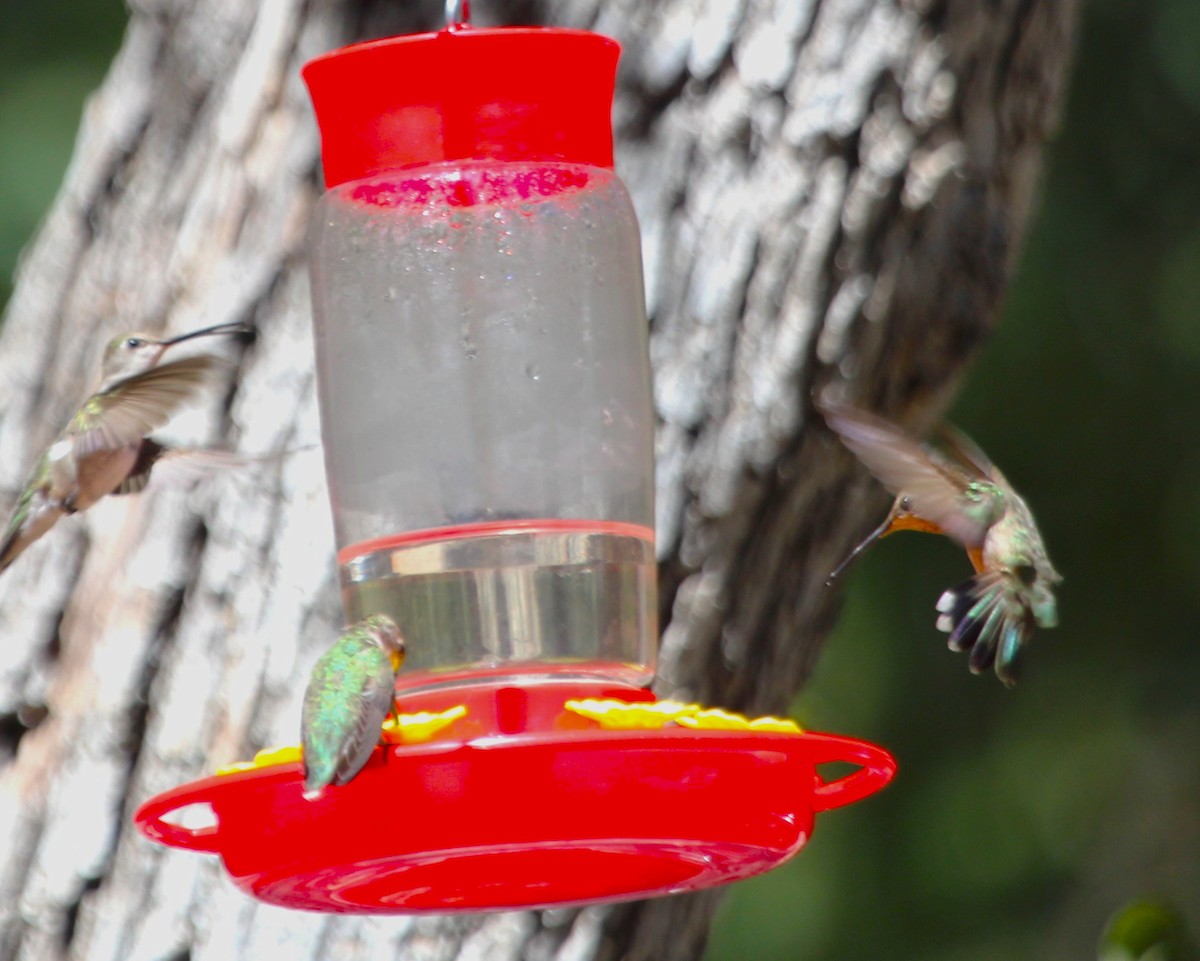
209, 332
867, 542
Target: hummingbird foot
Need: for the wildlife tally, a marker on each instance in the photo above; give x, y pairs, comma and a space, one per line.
391, 722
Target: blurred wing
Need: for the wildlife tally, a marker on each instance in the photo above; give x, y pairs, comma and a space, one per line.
127, 412
935, 488
378, 696
315, 738
966, 452
178, 467
138, 477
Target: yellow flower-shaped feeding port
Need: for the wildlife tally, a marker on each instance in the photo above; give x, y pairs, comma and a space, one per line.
403, 729
626, 716
616, 715
267, 757
421, 727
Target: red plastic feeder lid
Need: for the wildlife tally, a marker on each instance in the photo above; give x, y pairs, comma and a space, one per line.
523, 804
509, 93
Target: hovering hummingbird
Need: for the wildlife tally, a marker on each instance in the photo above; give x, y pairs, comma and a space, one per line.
961, 494
351, 692
104, 449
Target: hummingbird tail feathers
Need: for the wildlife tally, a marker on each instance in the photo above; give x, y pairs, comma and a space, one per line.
40, 515
986, 616
8, 552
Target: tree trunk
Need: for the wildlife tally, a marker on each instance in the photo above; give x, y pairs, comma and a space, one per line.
829, 190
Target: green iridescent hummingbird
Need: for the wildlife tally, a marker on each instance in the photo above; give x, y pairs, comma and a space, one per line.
104, 448
960, 493
350, 693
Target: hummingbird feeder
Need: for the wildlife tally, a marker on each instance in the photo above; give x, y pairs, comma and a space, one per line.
484, 385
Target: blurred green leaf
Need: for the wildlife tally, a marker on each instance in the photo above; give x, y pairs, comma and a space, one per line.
1147, 931
52, 55
1176, 29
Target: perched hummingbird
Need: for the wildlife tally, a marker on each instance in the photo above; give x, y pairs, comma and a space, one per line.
104, 448
351, 692
961, 494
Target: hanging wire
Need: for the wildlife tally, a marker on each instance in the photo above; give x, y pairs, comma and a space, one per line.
458, 14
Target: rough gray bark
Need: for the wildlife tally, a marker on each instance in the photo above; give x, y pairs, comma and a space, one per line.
829, 190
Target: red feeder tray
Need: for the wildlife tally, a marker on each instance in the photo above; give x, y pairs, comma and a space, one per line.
543, 816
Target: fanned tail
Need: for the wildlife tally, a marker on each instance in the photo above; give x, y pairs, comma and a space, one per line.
986, 616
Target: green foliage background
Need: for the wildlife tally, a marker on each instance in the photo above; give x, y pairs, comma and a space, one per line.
1020, 820
52, 54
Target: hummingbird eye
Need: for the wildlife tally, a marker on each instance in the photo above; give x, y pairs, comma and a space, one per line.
134, 342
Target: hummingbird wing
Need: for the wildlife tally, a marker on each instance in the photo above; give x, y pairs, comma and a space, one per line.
180, 466
937, 490
966, 452
378, 697
149, 454
351, 690
132, 408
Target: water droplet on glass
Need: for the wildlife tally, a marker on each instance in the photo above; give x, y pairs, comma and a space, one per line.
391, 293
532, 372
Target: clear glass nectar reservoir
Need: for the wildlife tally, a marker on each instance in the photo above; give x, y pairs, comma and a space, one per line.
484, 383
483, 360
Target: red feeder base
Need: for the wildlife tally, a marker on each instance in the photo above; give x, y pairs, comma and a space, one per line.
545, 817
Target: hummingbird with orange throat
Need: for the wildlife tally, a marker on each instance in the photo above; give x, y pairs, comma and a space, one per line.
104, 449
958, 492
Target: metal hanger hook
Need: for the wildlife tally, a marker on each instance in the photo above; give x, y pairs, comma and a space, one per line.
458, 14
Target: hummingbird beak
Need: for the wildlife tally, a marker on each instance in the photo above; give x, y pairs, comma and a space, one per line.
881, 531
208, 332
899, 518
